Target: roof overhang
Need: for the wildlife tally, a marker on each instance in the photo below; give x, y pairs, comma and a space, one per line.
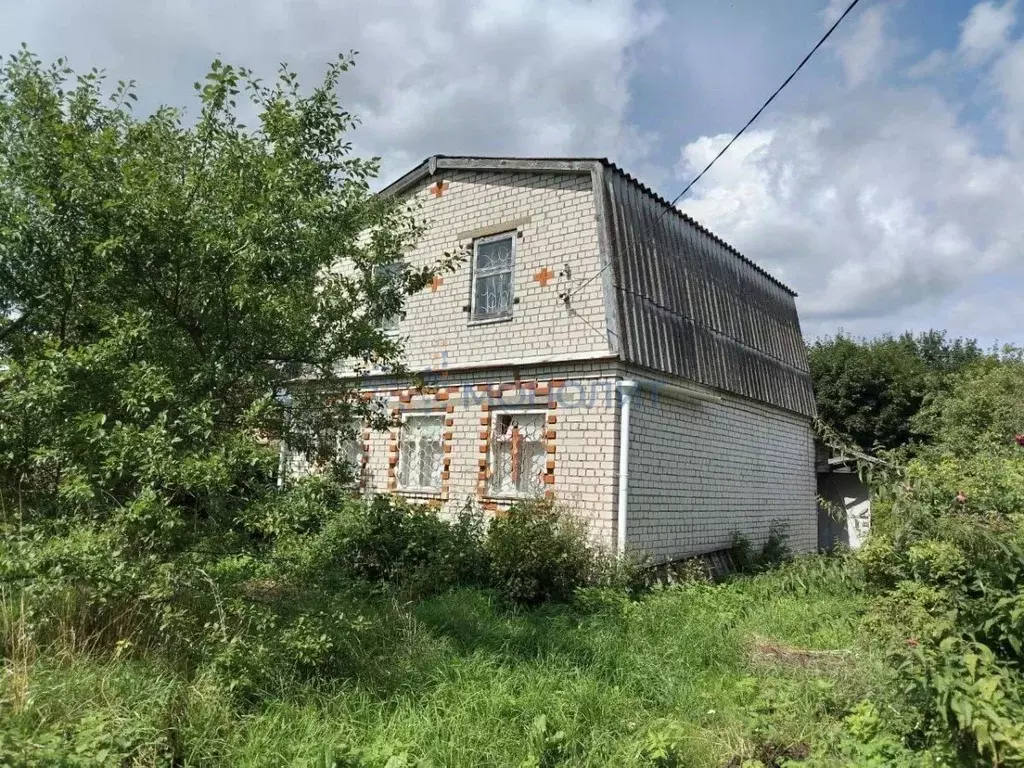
436, 163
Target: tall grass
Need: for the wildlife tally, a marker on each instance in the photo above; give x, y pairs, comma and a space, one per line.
460, 679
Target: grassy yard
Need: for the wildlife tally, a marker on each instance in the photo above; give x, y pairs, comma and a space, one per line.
758, 667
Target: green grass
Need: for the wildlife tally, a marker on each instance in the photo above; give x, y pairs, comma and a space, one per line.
462, 681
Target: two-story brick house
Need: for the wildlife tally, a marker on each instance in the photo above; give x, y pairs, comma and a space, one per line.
600, 346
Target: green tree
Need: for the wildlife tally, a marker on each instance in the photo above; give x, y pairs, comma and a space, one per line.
870, 390
161, 280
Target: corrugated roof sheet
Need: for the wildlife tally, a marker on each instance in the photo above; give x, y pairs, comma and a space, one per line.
685, 302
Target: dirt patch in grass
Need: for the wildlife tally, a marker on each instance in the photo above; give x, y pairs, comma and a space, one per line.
772, 755
769, 652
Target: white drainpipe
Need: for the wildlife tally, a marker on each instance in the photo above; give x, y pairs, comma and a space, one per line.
627, 388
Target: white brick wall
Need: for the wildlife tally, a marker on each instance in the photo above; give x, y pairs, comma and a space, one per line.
556, 220
701, 471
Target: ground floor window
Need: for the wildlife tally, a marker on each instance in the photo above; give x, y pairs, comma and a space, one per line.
350, 449
517, 453
420, 453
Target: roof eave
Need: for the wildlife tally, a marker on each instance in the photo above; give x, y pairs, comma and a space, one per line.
436, 163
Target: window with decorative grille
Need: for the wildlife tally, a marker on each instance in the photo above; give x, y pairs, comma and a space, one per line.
493, 266
420, 453
517, 453
350, 448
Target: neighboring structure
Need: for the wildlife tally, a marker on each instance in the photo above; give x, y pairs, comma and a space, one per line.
602, 347
844, 509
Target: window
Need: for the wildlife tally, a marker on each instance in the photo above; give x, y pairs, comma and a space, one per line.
350, 449
493, 262
420, 453
517, 453
391, 274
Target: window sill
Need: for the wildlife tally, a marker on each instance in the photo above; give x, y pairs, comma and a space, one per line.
426, 493
509, 497
490, 321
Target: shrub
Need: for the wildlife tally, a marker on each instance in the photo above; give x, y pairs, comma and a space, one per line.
774, 551
538, 554
388, 540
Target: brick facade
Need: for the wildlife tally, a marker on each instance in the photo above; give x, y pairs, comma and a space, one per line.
701, 471
554, 218
578, 408
698, 471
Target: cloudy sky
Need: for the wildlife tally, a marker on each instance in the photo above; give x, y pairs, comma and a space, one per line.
884, 185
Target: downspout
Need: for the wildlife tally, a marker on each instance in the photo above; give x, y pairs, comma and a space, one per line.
627, 388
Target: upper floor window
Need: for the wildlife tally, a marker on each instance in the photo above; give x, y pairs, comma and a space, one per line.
420, 453
494, 261
390, 273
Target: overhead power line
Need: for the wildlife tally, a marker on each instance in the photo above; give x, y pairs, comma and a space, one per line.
771, 98
739, 133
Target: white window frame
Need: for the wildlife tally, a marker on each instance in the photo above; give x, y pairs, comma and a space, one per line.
402, 436
492, 451
512, 235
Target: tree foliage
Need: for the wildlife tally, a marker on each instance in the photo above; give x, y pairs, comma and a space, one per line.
870, 390
161, 280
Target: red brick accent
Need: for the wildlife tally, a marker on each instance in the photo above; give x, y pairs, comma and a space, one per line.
490, 506
494, 392
550, 434
528, 385
485, 421
483, 448
450, 408
544, 276
485, 407
551, 465
482, 475
483, 463
552, 419
557, 383
444, 476
552, 405
508, 387
482, 387
549, 478
449, 422
447, 448
436, 283
441, 394
405, 397
447, 436
438, 188
550, 448
484, 434
542, 390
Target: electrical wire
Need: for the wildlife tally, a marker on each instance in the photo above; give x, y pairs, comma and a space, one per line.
739, 133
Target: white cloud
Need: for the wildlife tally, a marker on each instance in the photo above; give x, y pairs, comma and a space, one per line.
833, 11
879, 204
863, 53
933, 64
985, 30
542, 77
